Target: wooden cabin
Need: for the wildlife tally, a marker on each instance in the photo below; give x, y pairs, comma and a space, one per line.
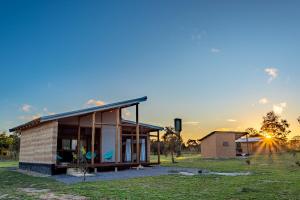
220, 144
50, 144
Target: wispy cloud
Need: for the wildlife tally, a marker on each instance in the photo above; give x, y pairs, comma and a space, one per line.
231, 120
29, 117
126, 112
94, 102
215, 50
223, 129
272, 73
26, 108
47, 111
279, 108
191, 123
198, 35
263, 100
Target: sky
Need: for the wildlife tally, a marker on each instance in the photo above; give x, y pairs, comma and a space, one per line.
218, 65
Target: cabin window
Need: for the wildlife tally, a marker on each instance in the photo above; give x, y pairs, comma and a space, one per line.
68, 144
225, 144
74, 144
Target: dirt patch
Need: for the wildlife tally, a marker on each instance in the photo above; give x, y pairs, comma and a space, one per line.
31, 173
33, 190
231, 173
53, 196
45, 194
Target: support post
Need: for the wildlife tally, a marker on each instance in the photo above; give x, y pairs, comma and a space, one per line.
148, 147
117, 150
93, 137
100, 142
78, 141
158, 148
120, 135
247, 144
131, 145
137, 130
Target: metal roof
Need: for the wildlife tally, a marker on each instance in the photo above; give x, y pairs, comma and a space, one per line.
153, 127
249, 140
120, 104
240, 134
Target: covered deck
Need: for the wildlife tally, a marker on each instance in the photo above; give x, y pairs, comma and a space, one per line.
54, 142
108, 139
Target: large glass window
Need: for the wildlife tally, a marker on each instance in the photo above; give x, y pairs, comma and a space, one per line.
68, 144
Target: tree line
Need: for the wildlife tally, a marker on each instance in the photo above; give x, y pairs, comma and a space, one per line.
9, 146
172, 143
272, 126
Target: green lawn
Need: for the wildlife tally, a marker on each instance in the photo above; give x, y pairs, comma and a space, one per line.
279, 179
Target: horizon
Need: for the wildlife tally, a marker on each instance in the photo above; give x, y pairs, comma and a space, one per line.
217, 66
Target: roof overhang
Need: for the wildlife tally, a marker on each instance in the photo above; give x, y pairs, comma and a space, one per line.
249, 140
237, 134
143, 125
121, 104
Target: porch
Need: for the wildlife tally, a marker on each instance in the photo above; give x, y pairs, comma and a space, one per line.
109, 140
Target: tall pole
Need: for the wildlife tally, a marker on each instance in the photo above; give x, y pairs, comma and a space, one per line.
117, 135
247, 144
78, 141
93, 137
137, 135
158, 148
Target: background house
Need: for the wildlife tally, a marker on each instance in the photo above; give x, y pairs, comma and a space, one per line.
248, 146
220, 144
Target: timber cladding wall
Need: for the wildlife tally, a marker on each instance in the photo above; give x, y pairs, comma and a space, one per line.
219, 145
208, 147
38, 144
226, 147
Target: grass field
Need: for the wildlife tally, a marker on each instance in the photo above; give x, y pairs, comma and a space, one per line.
279, 179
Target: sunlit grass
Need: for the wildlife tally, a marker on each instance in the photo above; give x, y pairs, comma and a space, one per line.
276, 180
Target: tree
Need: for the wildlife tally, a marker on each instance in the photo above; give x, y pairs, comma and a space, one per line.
154, 145
83, 164
276, 127
193, 145
294, 143
15, 145
252, 132
172, 141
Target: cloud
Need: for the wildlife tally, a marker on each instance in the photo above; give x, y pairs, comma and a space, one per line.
263, 101
47, 111
272, 72
279, 108
26, 108
191, 123
215, 50
94, 102
29, 117
198, 35
231, 120
223, 129
126, 112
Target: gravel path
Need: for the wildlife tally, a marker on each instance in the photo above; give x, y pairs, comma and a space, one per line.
125, 174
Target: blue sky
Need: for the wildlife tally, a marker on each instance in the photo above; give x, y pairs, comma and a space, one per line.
217, 64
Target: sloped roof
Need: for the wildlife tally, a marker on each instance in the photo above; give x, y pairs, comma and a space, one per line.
240, 134
250, 139
149, 126
121, 104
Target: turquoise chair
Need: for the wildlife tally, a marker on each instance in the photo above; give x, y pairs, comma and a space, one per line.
58, 158
88, 155
108, 155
